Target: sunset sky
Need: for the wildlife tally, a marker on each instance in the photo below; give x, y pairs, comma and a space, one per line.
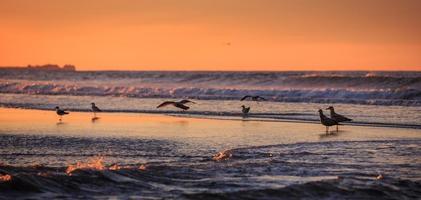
212, 34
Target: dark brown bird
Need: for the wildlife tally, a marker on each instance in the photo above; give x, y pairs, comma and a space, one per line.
60, 113
326, 121
245, 110
253, 98
178, 104
95, 109
337, 117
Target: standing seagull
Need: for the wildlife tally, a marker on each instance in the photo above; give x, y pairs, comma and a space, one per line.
326, 121
245, 110
60, 113
253, 98
337, 117
178, 104
95, 109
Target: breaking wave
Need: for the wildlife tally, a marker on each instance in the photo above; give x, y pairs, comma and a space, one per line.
379, 88
321, 170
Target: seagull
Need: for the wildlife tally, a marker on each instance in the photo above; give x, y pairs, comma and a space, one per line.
95, 109
326, 121
337, 117
61, 112
245, 110
253, 98
178, 104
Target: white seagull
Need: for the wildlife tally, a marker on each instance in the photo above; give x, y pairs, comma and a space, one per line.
326, 121
178, 104
61, 112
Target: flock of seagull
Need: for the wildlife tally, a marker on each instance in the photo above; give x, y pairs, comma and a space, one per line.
335, 118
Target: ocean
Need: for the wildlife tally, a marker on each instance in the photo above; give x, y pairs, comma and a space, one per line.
280, 151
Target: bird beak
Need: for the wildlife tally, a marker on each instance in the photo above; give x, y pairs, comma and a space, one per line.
327, 108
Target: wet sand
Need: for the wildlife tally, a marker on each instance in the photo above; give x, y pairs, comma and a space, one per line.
219, 134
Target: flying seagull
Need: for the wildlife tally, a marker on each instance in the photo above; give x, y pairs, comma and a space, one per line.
95, 109
178, 104
245, 110
337, 117
61, 112
253, 98
326, 121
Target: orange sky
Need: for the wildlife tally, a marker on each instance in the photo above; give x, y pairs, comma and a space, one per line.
213, 34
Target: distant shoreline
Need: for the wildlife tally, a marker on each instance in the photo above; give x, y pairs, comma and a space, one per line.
46, 67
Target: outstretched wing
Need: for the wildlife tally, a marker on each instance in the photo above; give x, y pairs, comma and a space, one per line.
184, 101
245, 97
166, 103
182, 106
261, 98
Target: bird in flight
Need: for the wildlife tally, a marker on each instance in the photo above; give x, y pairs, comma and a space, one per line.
253, 98
177, 104
60, 112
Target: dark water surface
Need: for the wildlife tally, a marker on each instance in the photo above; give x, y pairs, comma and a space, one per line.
154, 157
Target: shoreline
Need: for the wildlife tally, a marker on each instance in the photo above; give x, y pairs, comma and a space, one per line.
257, 117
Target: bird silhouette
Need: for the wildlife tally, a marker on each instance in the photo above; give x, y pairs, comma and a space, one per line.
337, 117
60, 112
95, 109
326, 121
245, 110
177, 104
253, 98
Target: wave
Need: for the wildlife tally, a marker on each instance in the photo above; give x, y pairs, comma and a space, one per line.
405, 97
319, 170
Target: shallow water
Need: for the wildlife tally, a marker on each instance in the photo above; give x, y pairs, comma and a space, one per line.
123, 155
394, 116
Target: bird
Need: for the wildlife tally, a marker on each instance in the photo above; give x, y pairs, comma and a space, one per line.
60, 112
326, 121
253, 98
95, 109
178, 104
245, 110
337, 117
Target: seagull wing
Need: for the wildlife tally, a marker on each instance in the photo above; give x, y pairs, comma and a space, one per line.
340, 118
96, 109
166, 103
245, 97
184, 101
261, 98
182, 106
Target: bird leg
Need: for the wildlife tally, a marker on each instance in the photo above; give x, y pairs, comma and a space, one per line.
327, 129
337, 128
